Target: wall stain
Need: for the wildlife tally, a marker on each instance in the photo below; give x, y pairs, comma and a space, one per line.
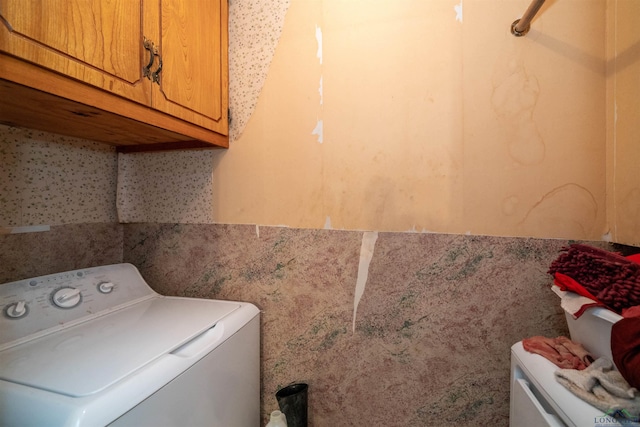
514, 98
572, 203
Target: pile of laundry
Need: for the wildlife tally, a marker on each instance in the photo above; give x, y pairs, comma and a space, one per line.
608, 279
594, 381
594, 277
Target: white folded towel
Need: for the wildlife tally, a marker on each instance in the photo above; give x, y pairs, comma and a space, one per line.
603, 387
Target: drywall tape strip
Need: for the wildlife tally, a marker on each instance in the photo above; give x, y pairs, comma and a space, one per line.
366, 253
24, 229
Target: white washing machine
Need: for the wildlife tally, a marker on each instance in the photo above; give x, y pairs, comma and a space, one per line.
97, 346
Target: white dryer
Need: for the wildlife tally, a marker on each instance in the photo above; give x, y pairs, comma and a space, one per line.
538, 400
98, 346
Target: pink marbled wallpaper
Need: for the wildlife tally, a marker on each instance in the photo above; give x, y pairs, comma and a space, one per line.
63, 248
432, 331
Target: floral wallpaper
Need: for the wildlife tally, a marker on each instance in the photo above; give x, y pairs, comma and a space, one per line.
53, 179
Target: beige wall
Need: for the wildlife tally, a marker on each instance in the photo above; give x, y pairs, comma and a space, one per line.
623, 102
432, 121
434, 118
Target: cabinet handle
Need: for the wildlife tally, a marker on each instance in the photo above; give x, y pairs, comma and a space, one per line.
148, 45
155, 76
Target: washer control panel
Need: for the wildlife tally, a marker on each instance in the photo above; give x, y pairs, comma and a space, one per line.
37, 306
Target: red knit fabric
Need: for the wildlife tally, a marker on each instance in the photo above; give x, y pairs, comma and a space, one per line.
606, 277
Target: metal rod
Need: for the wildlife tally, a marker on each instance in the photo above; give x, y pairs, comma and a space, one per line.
521, 26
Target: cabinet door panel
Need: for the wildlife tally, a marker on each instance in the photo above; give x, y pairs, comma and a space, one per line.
194, 78
96, 42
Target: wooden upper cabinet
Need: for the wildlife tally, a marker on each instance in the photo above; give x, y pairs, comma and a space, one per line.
193, 49
153, 69
96, 42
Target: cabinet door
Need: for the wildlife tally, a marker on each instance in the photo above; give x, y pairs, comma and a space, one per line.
193, 84
93, 41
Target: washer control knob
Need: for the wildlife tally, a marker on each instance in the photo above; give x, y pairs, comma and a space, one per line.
106, 287
17, 309
67, 297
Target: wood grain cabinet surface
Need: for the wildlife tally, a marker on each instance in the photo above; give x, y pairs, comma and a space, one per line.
139, 74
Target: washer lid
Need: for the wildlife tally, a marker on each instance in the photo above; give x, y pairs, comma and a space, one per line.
89, 357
